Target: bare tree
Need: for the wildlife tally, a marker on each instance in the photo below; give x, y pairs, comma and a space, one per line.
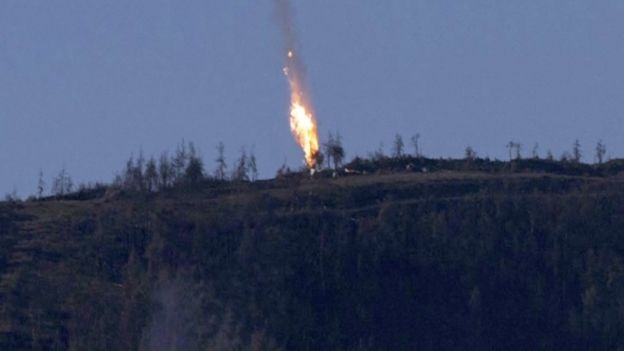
601, 151
62, 184
41, 185
379, 153
515, 150
576, 151
397, 146
329, 145
415, 139
470, 154
241, 169
12, 197
133, 174
535, 152
337, 151
253, 167
510, 146
221, 165
333, 150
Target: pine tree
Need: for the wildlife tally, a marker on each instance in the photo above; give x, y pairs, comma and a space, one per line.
221, 165
165, 171
253, 167
151, 175
41, 185
601, 151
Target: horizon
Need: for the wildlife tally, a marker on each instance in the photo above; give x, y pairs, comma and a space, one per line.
88, 84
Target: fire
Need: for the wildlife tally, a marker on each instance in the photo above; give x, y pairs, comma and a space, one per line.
302, 121
303, 127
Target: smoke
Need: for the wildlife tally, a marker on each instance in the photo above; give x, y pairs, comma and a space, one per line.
302, 121
189, 317
294, 65
172, 322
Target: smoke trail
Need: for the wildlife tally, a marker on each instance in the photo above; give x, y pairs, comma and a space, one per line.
285, 18
302, 121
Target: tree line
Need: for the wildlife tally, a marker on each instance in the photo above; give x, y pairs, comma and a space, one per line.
185, 166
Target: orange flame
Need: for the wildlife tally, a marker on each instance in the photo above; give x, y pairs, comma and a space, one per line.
302, 121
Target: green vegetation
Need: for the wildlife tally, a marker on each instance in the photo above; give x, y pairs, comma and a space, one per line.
397, 253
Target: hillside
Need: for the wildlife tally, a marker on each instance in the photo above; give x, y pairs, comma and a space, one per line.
446, 260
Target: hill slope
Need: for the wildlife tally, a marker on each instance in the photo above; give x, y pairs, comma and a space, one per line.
403, 261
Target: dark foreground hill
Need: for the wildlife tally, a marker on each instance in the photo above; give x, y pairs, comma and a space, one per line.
405, 261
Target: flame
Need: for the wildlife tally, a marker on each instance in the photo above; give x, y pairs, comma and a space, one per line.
302, 121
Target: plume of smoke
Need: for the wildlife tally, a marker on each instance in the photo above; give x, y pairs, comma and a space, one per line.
176, 314
189, 317
291, 49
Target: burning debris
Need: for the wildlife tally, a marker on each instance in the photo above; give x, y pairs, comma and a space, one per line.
302, 122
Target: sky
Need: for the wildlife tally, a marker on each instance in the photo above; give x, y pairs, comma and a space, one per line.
86, 83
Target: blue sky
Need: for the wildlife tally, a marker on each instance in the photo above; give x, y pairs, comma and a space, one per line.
85, 83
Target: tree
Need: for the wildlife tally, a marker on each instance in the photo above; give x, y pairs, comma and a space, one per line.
550, 156
151, 175
566, 157
535, 152
133, 174
241, 170
253, 166
128, 178
510, 146
328, 148
319, 158
333, 150
12, 197
41, 185
221, 165
180, 161
514, 149
165, 170
62, 184
601, 151
194, 171
139, 171
576, 151
337, 151
470, 154
379, 153
397, 146
415, 138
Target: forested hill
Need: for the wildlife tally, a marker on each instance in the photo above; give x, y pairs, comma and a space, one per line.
474, 259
